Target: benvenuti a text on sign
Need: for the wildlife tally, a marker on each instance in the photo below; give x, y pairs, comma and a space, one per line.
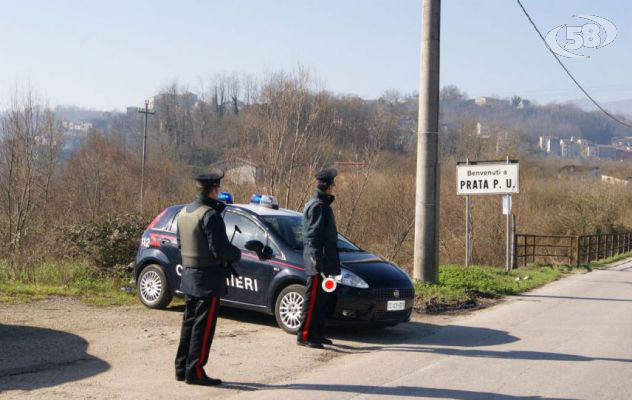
485, 173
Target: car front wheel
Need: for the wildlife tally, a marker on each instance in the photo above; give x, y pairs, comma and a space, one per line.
153, 287
288, 307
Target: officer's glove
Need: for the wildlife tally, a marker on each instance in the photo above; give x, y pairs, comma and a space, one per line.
316, 262
230, 270
236, 256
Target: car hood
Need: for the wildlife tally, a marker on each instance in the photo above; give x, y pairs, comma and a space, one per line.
377, 272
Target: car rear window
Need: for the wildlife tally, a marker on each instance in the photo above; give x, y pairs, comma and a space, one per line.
164, 220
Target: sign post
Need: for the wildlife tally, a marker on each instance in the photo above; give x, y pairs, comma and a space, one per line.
468, 243
507, 213
488, 177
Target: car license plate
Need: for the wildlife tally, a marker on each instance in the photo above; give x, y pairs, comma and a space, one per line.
395, 305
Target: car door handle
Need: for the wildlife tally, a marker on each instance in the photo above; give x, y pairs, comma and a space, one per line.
165, 241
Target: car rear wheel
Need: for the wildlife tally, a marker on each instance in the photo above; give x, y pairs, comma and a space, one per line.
153, 287
288, 307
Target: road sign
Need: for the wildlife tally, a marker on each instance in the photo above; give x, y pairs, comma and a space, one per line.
498, 177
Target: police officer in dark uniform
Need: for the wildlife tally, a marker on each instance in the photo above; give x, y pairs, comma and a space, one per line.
320, 251
206, 251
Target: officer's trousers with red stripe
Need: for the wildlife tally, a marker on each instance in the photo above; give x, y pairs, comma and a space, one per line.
196, 336
318, 305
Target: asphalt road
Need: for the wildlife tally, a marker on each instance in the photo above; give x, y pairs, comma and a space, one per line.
569, 340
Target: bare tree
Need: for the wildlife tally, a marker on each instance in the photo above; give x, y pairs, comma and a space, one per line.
288, 130
29, 149
174, 106
234, 90
368, 154
250, 89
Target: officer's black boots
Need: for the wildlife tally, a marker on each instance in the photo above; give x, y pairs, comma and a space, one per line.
205, 381
326, 341
309, 343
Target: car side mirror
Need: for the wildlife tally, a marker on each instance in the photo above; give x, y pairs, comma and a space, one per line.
254, 245
263, 252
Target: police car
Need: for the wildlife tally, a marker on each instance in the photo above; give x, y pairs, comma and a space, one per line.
270, 276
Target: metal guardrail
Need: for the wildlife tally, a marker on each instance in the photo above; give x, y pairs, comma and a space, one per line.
571, 250
598, 247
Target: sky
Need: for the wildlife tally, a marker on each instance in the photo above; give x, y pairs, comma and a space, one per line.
113, 54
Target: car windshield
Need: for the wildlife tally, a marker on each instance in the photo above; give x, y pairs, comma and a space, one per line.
290, 230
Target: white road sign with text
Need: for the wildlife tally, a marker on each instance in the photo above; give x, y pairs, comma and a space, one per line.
500, 178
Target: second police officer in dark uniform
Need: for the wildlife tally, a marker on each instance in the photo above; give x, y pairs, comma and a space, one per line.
320, 251
205, 250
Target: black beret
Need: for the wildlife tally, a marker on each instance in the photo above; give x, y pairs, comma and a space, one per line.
326, 175
212, 177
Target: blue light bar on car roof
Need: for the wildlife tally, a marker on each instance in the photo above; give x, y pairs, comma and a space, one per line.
225, 197
255, 199
264, 200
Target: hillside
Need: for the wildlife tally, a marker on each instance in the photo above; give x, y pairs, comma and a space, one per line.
528, 120
623, 107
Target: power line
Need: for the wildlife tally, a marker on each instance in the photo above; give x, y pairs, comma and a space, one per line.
569, 73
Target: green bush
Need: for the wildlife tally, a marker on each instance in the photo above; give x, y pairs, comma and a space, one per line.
108, 243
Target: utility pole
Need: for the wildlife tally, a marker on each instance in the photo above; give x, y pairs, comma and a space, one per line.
426, 261
142, 171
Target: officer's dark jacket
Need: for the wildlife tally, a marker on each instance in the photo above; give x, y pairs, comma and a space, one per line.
320, 236
206, 278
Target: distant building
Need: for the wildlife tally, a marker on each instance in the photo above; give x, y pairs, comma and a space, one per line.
570, 148
543, 142
550, 144
487, 101
589, 151
584, 142
503, 142
73, 127
622, 141
184, 100
578, 171
41, 140
624, 154
523, 104
240, 171
483, 131
553, 146
609, 152
488, 131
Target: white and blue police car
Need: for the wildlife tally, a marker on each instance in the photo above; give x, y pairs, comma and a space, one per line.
272, 280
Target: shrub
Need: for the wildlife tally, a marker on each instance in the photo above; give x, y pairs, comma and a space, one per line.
107, 243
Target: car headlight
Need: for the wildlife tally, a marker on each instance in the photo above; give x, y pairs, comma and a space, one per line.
348, 278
